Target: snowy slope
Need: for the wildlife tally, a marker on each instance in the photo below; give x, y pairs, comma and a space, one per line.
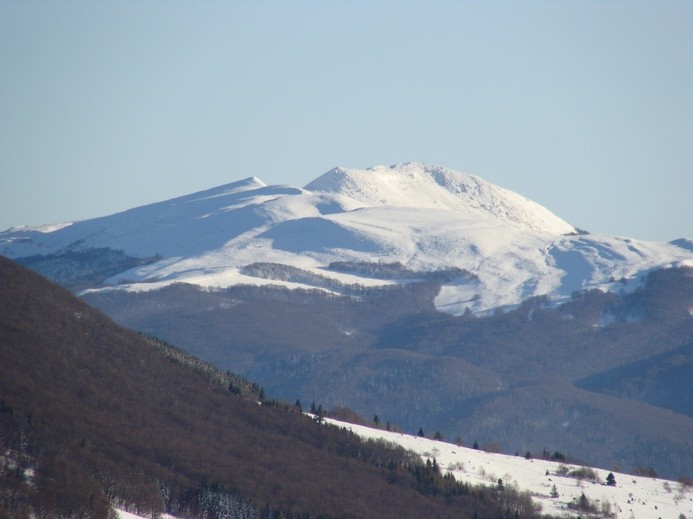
632, 497
425, 217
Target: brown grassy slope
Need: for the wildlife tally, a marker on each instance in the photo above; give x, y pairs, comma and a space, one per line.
102, 415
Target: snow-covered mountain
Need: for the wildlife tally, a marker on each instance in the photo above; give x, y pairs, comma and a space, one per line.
417, 217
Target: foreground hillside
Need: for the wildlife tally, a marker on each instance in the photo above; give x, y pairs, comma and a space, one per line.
93, 415
561, 488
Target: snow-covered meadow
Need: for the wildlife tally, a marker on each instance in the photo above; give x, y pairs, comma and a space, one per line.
631, 497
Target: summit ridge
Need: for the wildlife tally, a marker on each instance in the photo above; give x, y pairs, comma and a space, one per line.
435, 187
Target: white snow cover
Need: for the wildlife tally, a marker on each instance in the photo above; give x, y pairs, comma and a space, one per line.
425, 186
632, 497
122, 514
425, 217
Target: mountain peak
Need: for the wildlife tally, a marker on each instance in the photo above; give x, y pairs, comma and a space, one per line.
239, 186
422, 216
420, 185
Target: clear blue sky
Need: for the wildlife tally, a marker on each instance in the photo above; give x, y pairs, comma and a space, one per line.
584, 106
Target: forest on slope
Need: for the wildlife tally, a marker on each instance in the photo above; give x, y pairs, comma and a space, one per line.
94, 415
603, 376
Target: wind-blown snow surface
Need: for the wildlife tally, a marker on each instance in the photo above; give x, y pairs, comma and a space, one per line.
632, 497
425, 217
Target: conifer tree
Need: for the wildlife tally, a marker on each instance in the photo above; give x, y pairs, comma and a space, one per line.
583, 503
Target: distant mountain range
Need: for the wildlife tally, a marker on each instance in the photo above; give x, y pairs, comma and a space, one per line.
423, 295
348, 228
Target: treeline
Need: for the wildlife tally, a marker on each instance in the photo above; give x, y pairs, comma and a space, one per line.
79, 270
232, 381
93, 415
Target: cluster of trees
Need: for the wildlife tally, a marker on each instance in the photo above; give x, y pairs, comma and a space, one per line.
78, 270
397, 270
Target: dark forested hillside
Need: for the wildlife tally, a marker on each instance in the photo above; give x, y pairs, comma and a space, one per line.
94, 415
603, 376
662, 380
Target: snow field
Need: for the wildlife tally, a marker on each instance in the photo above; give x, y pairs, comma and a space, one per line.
632, 497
